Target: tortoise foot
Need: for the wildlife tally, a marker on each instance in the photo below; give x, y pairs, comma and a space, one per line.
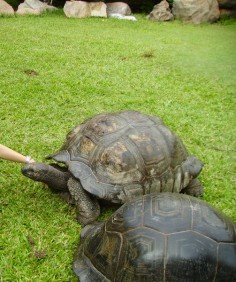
193, 189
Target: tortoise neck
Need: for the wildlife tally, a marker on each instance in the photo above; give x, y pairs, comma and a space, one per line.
56, 179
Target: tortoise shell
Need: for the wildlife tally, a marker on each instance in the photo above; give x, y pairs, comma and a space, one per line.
159, 237
118, 156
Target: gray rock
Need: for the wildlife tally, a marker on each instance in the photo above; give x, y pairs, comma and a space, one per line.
5, 8
77, 9
82, 9
118, 8
161, 12
196, 11
35, 4
98, 9
33, 7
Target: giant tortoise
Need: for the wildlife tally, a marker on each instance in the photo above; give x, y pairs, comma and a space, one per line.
117, 157
165, 237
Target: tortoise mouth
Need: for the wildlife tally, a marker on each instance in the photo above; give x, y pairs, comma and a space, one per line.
28, 170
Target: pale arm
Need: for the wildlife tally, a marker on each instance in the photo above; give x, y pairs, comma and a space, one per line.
11, 155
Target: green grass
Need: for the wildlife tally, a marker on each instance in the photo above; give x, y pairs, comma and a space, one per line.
55, 72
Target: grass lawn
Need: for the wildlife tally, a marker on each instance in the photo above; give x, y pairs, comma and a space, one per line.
55, 72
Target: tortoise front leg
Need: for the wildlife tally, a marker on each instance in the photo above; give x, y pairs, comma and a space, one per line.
88, 208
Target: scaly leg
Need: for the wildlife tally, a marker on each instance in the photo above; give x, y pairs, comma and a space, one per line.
88, 208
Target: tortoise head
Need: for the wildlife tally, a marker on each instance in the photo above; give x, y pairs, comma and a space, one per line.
51, 174
36, 171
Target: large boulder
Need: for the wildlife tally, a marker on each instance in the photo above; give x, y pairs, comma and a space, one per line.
196, 11
33, 7
118, 8
161, 12
77, 9
98, 9
82, 9
5, 8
